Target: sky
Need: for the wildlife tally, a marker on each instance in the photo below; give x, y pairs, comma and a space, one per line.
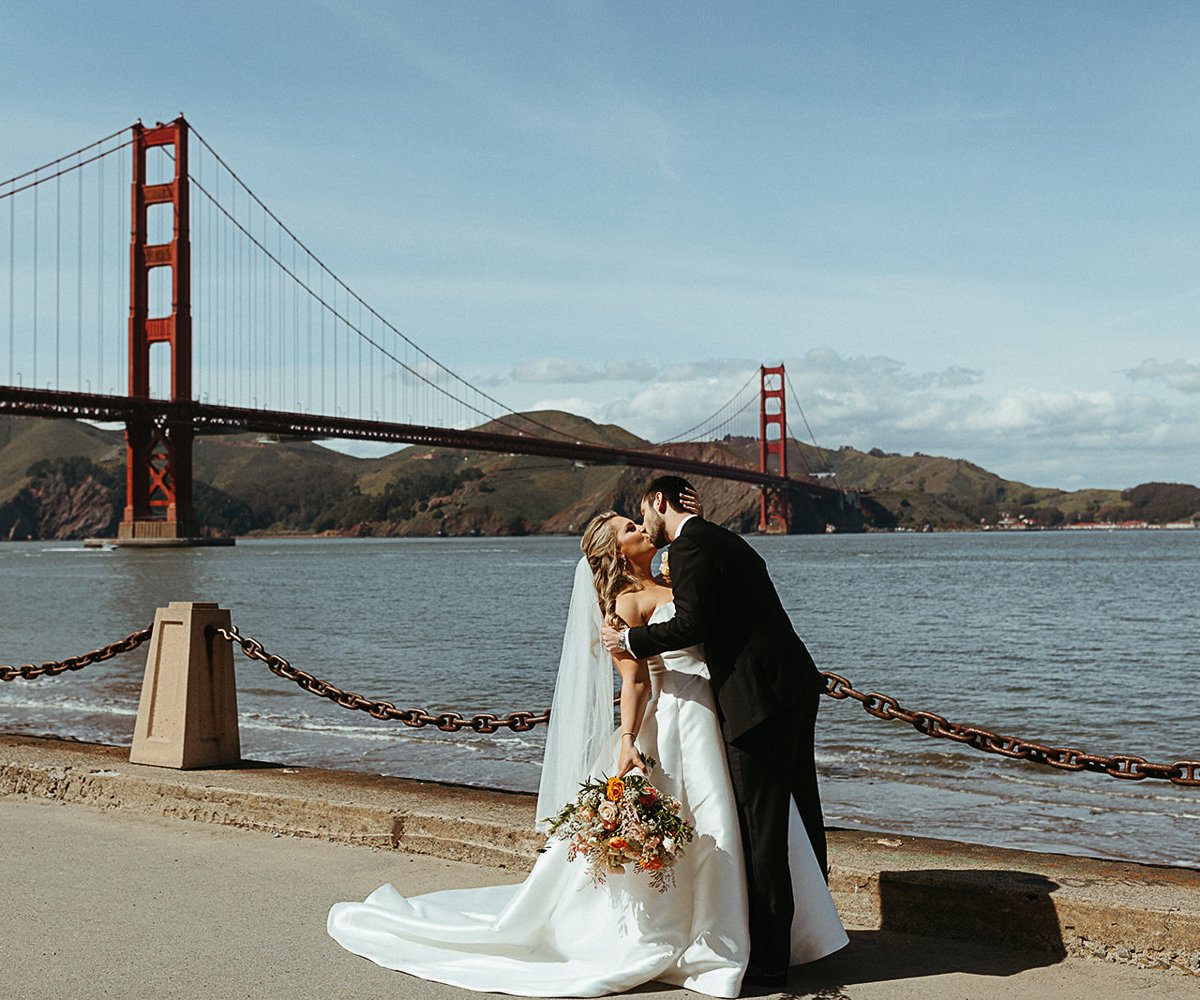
967, 229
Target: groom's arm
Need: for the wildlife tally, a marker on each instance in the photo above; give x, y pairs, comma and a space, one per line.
691, 576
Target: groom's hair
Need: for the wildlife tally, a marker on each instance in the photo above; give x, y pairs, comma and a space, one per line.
670, 487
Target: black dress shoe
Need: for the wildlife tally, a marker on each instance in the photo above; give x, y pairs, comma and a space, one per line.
773, 978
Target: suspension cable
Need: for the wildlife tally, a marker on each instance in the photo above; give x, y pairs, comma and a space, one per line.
65, 170
684, 435
350, 292
812, 437
78, 152
336, 312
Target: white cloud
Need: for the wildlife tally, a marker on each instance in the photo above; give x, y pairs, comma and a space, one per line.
1044, 436
558, 371
561, 372
1182, 375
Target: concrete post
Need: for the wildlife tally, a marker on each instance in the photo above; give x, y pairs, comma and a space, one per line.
187, 717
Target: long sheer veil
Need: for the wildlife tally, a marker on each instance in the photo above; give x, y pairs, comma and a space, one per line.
581, 715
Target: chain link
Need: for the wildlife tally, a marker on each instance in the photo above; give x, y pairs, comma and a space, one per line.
450, 722
882, 706
28, 671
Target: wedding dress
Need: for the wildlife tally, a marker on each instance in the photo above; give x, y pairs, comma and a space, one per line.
556, 934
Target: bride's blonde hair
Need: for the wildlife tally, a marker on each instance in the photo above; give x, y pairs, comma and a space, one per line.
612, 572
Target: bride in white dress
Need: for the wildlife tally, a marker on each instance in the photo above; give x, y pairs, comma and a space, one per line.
555, 934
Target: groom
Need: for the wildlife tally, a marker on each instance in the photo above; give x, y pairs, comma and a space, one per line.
767, 689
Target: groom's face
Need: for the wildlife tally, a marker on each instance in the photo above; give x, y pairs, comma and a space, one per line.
652, 521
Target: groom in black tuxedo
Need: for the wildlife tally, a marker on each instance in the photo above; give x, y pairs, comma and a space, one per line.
766, 687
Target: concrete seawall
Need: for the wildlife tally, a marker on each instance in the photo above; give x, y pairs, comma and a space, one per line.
1138, 914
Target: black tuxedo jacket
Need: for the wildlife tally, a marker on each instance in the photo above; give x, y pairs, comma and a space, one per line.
724, 598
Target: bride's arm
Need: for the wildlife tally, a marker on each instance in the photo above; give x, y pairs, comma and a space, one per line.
635, 694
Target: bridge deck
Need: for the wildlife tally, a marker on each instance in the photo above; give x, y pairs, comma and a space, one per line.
207, 418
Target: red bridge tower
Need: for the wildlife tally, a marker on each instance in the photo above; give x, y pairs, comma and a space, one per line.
158, 502
772, 424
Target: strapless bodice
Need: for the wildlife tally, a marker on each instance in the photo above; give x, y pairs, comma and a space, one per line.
684, 661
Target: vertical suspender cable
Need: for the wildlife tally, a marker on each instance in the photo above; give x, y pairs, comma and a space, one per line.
268, 337
222, 290
253, 313
238, 315
12, 247
335, 352
124, 262
200, 302
35, 286
100, 278
57, 280
295, 336
323, 368
284, 402
79, 286
223, 294
308, 354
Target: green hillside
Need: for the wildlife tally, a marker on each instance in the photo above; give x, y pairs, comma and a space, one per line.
24, 442
61, 479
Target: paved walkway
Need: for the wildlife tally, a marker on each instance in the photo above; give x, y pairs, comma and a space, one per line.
116, 904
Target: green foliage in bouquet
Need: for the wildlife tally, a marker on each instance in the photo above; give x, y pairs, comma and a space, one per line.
614, 822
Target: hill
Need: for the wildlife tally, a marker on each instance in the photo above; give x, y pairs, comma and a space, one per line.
61, 479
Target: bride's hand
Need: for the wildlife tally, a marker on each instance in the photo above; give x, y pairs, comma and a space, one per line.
629, 758
689, 499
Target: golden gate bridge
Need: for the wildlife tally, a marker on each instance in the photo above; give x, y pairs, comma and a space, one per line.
233, 324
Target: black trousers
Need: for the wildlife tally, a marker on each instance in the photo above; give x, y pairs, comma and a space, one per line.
770, 766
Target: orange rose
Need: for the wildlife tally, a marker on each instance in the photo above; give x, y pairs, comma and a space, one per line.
616, 788
652, 864
617, 843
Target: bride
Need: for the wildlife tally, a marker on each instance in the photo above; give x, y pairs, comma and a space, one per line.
556, 934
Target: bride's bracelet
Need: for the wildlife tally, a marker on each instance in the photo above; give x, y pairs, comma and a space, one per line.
632, 736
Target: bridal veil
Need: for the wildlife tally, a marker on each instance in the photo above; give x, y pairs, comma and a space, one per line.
581, 715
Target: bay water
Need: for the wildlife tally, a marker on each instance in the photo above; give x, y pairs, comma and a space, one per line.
1086, 639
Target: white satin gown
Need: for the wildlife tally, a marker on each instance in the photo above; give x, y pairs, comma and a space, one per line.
556, 935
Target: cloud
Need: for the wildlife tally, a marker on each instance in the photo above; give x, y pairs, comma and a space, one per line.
1182, 375
558, 371
1045, 436
880, 397
1064, 437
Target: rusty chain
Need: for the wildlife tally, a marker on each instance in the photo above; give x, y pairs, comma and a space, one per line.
450, 722
28, 671
882, 706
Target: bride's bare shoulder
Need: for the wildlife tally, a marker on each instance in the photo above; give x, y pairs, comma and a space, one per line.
630, 606
636, 606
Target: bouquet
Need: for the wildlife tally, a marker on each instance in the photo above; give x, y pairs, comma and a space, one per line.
614, 822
